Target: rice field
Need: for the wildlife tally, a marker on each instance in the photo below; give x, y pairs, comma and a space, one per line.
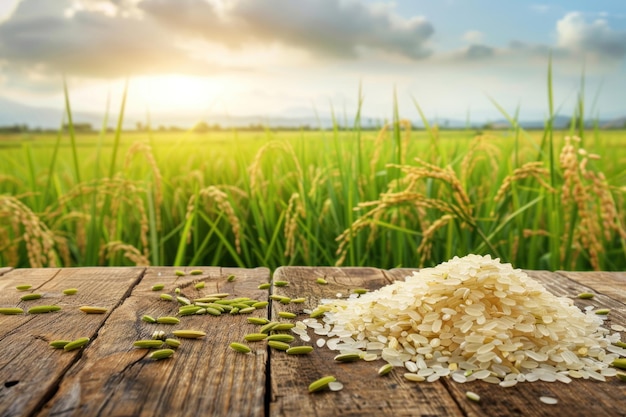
396, 197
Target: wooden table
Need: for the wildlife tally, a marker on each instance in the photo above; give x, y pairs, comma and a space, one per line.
109, 377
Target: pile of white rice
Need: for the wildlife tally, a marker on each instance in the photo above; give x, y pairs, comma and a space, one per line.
470, 318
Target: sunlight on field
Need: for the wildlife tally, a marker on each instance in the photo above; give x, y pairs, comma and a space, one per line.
386, 198
178, 92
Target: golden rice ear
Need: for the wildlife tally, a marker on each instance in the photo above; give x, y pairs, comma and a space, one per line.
215, 195
128, 251
141, 148
39, 240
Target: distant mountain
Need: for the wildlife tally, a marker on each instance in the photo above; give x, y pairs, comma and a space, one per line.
618, 123
12, 113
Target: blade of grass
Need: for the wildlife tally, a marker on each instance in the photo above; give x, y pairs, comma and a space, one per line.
182, 242
94, 234
70, 126
553, 205
118, 131
53, 161
153, 232
223, 240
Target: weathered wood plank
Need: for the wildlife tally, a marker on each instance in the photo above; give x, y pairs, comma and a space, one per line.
612, 284
579, 398
204, 377
4, 270
364, 393
29, 369
10, 297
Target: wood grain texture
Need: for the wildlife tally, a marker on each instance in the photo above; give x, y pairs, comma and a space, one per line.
364, 393
4, 270
612, 284
29, 369
204, 377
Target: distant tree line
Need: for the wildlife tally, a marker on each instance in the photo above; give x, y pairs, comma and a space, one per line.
204, 127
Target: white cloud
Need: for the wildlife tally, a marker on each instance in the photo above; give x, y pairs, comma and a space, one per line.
112, 38
473, 36
323, 27
89, 42
596, 38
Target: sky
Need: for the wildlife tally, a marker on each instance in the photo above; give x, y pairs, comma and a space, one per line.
287, 58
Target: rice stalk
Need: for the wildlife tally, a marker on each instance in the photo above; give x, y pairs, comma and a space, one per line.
39, 240
258, 181
222, 201
479, 150
590, 213
295, 210
534, 170
415, 174
140, 148
381, 141
124, 198
9, 248
424, 250
381, 207
128, 251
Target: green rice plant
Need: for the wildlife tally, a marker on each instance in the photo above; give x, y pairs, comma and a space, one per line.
398, 196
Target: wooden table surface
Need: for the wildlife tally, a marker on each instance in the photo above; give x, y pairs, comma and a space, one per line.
109, 377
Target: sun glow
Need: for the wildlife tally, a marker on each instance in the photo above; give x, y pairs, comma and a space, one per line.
176, 92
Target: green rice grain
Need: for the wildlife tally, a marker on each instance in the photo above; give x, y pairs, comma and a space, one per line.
385, 369
284, 326
255, 337
43, 309
189, 334
11, 310
28, 297
281, 337
161, 354
258, 320
321, 383
148, 344
299, 350
76, 344
148, 319
175, 343
59, 344
240, 347
167, 320
278, 345
347, 357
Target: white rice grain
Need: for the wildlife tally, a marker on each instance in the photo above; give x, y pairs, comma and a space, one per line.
493, 322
